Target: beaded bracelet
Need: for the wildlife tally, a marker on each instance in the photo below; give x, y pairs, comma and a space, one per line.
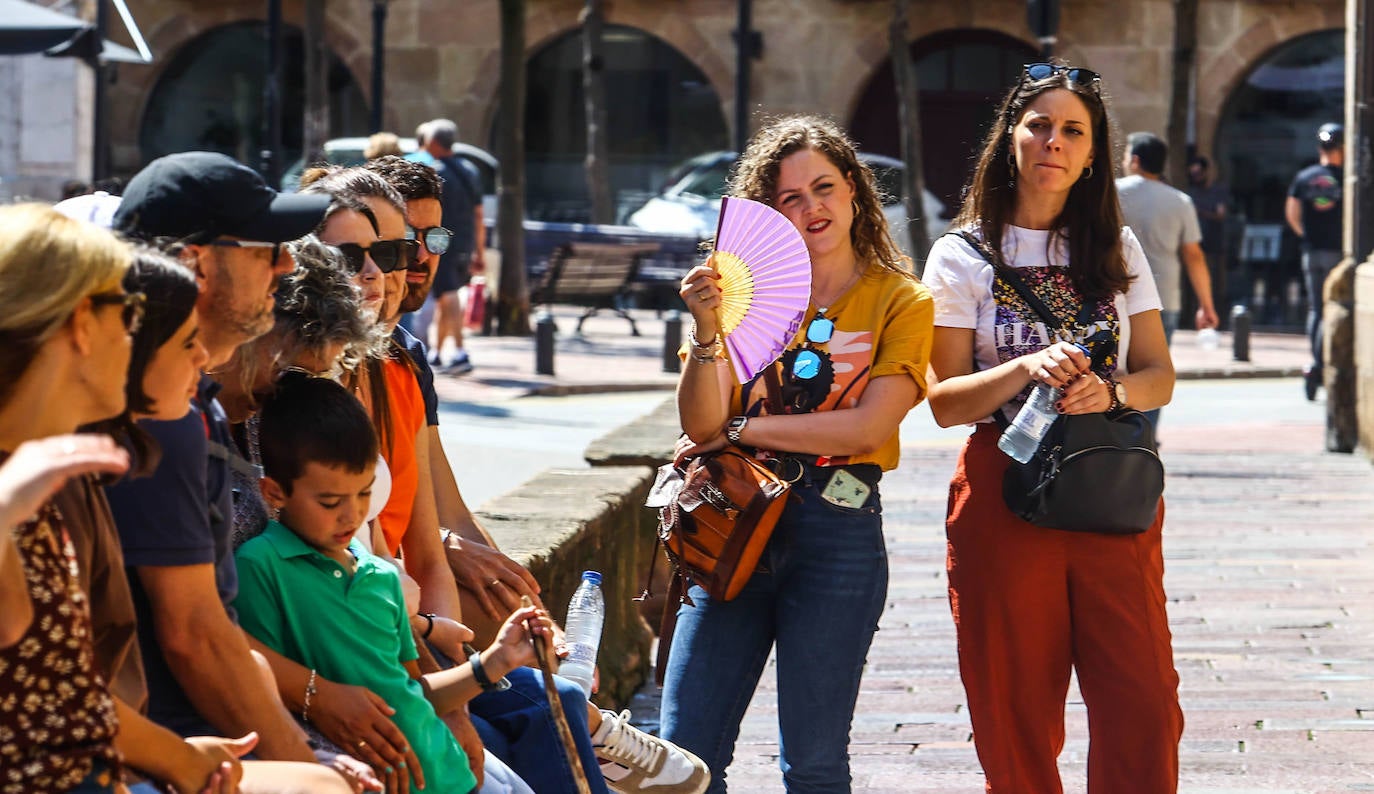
705, 353
309, 692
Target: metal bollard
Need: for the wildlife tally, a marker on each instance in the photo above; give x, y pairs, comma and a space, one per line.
672, 340
1240, 332
544, 329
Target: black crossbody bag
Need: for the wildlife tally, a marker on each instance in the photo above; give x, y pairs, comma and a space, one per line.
1093, 472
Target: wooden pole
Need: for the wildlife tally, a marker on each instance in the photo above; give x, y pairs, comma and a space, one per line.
543, 651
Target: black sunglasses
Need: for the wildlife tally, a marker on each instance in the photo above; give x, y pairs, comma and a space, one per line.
134, 303
1084, 77
435, 238
389, 255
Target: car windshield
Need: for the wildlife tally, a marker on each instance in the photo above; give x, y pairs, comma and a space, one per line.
708, 183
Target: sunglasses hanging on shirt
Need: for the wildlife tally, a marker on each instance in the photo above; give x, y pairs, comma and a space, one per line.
807, 371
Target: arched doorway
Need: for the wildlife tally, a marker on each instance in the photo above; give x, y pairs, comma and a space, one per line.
211, 96
661, 110
1267, 133
962, 74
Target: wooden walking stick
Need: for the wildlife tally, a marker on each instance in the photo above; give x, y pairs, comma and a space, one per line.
543, 652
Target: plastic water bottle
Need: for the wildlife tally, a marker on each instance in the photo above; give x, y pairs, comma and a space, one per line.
1028, 429
1207, 339
586, 614
1023, 436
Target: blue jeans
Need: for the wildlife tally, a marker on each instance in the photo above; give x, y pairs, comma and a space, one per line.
818, 594
1316, 266
517, 726
1170, 320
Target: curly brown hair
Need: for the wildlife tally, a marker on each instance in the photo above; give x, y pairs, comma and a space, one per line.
1090, 222
755, 177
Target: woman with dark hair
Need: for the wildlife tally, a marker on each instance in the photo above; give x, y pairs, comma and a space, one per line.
167, 354
822, 581
1031, 605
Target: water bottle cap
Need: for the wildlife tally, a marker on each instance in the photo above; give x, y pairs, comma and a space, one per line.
592, 576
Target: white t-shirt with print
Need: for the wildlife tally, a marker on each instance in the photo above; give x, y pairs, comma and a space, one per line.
962, 283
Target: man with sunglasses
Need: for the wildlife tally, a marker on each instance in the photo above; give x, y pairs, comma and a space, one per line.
228, 227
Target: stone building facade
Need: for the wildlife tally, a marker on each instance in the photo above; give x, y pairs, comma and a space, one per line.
818, 56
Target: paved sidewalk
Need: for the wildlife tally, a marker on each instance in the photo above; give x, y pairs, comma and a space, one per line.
607, 358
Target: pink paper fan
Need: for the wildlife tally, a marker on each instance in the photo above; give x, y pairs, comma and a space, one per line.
765, 282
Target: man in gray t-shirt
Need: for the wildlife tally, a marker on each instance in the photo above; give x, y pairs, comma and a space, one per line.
1165, 222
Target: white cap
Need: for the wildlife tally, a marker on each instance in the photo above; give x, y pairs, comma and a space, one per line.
98, 208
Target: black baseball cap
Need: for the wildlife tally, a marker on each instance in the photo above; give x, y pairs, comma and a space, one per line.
198, 196
1330, 135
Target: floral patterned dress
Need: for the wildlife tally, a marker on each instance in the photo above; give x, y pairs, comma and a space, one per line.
57, 720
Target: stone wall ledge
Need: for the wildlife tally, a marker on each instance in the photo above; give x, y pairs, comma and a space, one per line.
646, 441
565, 521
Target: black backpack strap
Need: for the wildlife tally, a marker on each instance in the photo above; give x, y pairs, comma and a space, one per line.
1013, 279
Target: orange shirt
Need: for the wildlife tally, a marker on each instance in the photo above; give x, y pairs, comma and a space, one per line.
407, 411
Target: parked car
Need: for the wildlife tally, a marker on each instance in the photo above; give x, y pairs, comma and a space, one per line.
690, 203
349, 151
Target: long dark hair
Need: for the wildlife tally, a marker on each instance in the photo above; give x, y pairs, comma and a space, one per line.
1090, 222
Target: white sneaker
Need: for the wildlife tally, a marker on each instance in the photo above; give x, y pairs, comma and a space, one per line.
632, 761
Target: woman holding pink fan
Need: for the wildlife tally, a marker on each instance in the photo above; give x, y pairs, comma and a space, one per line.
846, 379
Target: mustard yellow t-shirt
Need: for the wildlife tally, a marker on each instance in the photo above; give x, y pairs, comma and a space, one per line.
883, 326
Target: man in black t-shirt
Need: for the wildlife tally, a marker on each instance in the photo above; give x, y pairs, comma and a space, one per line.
1313, 211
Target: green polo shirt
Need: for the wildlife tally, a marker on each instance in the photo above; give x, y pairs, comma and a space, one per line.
352, 629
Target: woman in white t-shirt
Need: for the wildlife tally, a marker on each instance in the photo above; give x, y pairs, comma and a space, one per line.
1031, 604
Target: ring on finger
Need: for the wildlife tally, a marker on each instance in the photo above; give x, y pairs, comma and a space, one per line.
362, 745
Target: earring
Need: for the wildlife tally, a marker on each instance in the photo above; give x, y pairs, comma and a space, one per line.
1011, 170
1087, 172
854, 203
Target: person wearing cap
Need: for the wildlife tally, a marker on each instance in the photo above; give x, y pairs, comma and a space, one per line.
229, 228
1313, 212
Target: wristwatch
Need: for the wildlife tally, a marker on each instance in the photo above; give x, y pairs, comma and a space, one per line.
734, 428
1117, 391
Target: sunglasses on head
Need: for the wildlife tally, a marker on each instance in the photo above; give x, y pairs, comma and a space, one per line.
1084, 77
134, 303
435, 238
388, 255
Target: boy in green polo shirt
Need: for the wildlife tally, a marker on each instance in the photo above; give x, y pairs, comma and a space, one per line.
312, 593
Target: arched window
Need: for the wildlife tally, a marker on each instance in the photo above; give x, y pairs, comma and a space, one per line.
211, 96
1268, 128
661, 110
962, 75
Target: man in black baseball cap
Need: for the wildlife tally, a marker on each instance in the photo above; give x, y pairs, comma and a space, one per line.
176, 526
232, 226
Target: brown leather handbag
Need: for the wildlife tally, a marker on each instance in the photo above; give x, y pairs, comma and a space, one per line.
722, 515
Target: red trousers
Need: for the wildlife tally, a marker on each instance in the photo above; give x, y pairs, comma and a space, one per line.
1032, 604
